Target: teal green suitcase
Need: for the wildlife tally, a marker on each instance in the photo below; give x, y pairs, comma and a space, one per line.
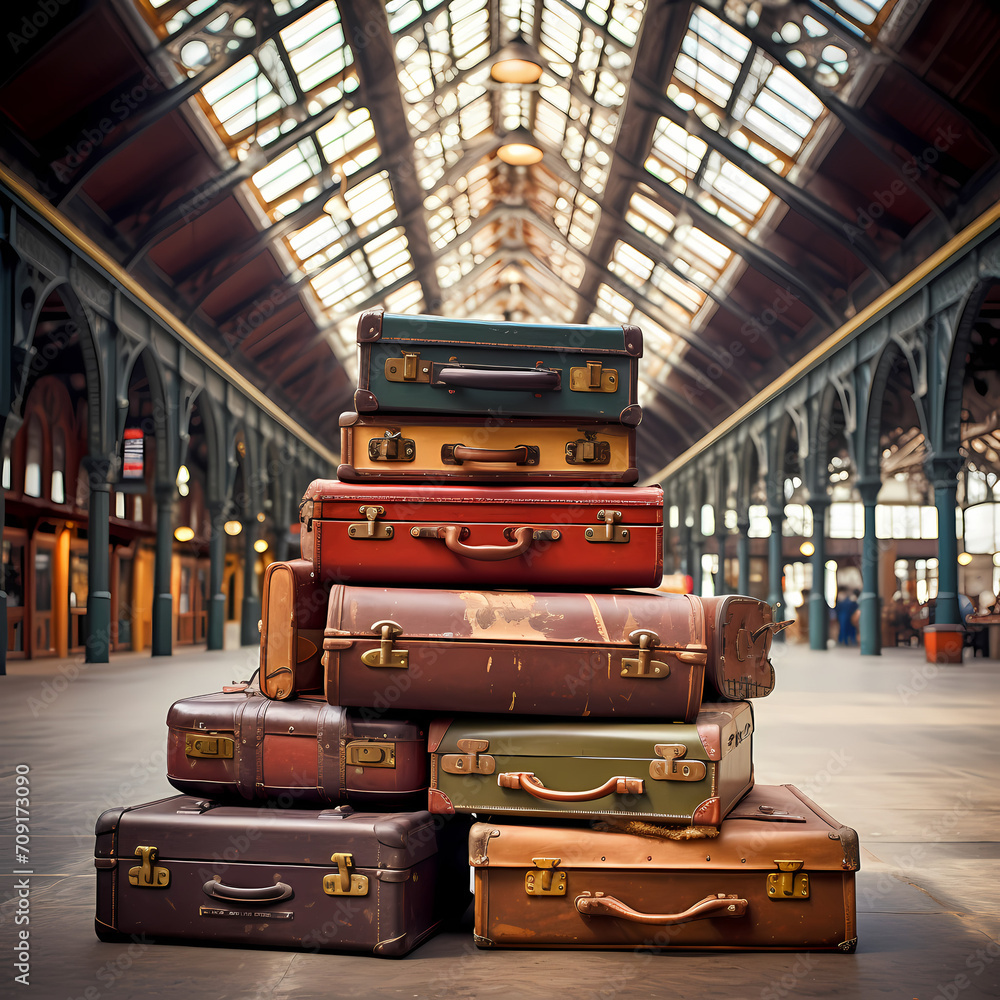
431, 364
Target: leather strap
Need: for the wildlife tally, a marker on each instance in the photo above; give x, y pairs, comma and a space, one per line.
330, 763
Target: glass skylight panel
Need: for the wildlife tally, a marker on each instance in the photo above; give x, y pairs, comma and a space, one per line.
319, 241
559, 42
389, 256
293, 169
371, 204
348, 142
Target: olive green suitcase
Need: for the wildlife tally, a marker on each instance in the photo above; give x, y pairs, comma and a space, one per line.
681, 774
432, 364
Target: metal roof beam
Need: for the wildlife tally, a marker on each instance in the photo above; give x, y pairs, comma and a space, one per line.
376, 62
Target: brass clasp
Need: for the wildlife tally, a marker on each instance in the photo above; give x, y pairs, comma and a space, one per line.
588, 450
148, 875
672, 768
216, 747
474, 760
545, 881
369, 528
370, 753
785, 884
613, 531
644, 665
385, 655
593, 378
407, 368
392, 447
344, 883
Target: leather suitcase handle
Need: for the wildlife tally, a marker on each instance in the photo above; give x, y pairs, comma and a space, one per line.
526, 781
451, 533
267, 893
509, 380
598, 905
518, 455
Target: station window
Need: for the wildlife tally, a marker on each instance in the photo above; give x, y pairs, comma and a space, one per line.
33, 460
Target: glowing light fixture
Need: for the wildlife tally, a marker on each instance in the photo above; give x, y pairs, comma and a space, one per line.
807, 548
184, 533
260, 545
964, 558
232, 527
516, 62
519, 149
260, 516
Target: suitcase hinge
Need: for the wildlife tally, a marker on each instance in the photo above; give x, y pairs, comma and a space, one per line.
785, 884
392, 447
673, 768
545, 881
407, 368
344, 883
208, 746
613, 531
369, 753
473, 761
306, 514
369, 528
644, 665
588, 451
593, 378
148, 875
385, 655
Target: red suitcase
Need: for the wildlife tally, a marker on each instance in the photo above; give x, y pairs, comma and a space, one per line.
302, 752
563, 537
316, 879
616, 653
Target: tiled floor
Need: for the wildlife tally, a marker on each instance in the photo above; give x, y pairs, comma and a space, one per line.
905, 752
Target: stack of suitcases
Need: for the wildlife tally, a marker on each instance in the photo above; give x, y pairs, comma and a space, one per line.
471, 665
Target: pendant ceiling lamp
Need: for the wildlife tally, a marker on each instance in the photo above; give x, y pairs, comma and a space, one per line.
516, 62
519, 149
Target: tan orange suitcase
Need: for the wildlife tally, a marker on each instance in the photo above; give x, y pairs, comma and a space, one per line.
780, 875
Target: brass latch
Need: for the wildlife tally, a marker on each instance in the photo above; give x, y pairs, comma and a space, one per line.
208, 746
613, 531
385, 655
370, 753
344, 883
392, 447
644, 665
784, 884
673, 768
474, 759
588, 451
407, 368
593, 378
545, 881
148, 875
370, 528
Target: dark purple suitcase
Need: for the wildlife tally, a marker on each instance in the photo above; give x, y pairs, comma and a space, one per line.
184, 868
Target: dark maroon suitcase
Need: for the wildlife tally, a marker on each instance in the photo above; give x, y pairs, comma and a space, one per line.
299, 752
619, 653
484, 535
184, 868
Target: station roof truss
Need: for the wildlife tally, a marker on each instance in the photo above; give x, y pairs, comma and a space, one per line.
736, 178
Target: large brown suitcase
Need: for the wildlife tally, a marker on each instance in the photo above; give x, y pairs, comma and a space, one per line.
299, 752
683, 775
615, 653
780, 875
431, 448
484, 536
625, 653
293, 606
184, 868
